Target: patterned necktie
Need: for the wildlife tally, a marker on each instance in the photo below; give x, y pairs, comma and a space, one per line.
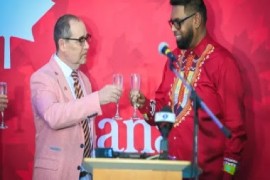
86, 129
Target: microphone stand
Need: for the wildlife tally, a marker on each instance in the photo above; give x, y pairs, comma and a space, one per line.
197, 103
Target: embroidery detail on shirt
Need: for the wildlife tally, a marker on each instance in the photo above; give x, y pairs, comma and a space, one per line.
152, 107
191, 71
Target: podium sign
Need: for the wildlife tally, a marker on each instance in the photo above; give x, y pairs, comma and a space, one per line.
134, 169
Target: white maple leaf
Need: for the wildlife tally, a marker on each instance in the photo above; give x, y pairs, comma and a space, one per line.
17, 18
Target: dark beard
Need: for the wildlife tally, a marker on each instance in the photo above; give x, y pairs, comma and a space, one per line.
184, 42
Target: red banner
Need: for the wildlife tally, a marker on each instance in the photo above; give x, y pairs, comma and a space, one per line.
125, 40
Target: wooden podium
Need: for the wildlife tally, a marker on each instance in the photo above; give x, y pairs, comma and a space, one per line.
134, 169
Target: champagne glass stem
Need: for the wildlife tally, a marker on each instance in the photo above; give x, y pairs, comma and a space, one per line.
2, 126
117, 110
117, 114
135, 116
2, 115
135, 111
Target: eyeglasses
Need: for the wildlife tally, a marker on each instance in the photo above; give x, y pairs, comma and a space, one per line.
81, 39
178, 22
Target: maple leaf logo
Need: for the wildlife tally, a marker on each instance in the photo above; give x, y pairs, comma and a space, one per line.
17, 18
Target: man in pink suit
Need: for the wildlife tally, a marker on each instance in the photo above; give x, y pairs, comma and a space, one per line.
58, 114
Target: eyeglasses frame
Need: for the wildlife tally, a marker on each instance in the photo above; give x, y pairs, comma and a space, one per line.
81, 39
179, 22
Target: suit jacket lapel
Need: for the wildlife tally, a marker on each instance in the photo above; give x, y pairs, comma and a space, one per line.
60, 78
86, 84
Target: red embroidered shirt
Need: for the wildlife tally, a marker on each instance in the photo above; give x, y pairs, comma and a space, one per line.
213, 73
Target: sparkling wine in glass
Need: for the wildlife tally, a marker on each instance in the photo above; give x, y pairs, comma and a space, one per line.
3, 90
135, 88
118, 81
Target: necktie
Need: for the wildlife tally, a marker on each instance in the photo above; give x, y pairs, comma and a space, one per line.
86, 129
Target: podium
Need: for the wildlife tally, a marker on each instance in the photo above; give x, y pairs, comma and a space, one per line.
134, 169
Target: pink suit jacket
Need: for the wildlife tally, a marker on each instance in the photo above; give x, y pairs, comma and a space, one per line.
57, 118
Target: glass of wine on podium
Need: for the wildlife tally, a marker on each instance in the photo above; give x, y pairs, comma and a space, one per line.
3, 91
164, 120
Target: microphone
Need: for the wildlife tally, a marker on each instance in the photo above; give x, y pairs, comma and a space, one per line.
164, 120
165, 115
164, 49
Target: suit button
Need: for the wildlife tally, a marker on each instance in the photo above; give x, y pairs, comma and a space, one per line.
82, 146
79, 167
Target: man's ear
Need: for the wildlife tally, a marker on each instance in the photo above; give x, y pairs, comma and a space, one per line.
62, 44
197, 21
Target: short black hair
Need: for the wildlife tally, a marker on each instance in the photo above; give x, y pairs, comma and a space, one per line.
62, 28
192, 6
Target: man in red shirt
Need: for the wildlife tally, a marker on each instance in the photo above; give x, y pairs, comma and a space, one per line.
213, 73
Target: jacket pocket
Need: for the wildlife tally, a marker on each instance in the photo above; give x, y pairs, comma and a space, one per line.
46, 163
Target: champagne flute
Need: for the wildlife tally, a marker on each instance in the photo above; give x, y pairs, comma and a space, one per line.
135, 88
3, 91
118, 81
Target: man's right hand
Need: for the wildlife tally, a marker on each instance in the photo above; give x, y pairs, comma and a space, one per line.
137, 98
109, 94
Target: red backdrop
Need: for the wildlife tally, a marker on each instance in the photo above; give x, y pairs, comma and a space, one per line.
125, 39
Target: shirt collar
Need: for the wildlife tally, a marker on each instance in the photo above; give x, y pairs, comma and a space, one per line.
63, 66
199, 49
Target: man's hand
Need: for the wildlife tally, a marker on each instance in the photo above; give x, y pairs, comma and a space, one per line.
109, 93
137, 98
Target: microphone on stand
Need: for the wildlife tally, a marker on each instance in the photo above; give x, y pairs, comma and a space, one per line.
164, 120
163, 48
